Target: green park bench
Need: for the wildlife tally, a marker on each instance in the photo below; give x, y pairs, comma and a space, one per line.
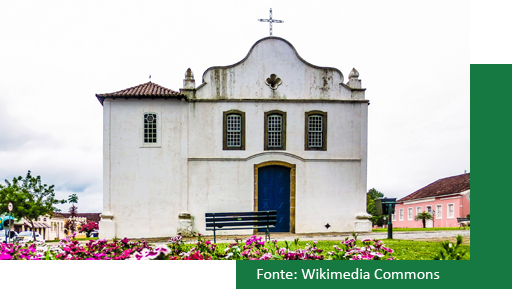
240, 221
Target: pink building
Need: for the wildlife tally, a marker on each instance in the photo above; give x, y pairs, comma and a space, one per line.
447, 199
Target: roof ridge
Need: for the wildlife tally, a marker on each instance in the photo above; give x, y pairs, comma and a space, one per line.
445, 186
144, 90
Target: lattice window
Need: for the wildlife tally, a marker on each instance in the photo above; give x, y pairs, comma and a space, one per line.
234, 130
315, 134
150, 128
275, 131
315, 131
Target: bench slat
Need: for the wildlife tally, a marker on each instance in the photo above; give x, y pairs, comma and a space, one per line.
259, 213
241, 223
237, 228
227, 219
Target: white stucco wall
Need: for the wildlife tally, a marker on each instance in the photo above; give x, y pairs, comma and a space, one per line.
147, 185
330, 185
273, 55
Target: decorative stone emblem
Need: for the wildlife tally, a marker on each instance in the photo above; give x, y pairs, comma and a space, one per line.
273, 81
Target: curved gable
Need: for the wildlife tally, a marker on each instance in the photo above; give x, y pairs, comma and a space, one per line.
273, 70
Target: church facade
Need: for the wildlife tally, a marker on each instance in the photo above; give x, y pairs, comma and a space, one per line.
271, 132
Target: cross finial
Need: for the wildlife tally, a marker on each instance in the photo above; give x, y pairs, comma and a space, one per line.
270, 20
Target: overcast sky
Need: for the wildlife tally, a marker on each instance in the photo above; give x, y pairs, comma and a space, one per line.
413, 58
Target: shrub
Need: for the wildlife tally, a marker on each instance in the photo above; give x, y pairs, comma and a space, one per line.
450, 251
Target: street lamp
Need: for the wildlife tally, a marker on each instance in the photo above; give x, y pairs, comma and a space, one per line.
433, 218
386, 206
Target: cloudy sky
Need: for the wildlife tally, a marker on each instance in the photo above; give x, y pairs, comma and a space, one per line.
55, 56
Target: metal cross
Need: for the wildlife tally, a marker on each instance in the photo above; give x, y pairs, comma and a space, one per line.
271, 21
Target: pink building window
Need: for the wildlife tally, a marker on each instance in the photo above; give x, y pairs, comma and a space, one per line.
409, 214
439, 211
451, 212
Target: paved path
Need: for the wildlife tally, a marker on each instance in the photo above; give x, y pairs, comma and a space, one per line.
411, 235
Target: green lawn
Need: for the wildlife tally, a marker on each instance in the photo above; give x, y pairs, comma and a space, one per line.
403, 249
418, 229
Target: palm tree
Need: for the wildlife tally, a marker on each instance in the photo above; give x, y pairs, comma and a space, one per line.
73, 199
424, 217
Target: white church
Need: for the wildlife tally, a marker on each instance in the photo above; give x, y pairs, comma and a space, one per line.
271, 132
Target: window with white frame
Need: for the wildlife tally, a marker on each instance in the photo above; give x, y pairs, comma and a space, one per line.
275, 130
409, 214
418, 210
428, 209
451, 211
234, 130
439, 211
316, 130
393, 217
150, 136
401, 214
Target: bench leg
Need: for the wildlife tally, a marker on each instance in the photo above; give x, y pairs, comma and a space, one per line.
214, 236
267, 235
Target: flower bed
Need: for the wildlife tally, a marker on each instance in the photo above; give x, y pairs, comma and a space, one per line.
252, 249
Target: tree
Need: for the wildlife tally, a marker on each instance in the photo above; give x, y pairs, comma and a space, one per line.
89, 227
30, 198
371, 196
71, 224
424, 217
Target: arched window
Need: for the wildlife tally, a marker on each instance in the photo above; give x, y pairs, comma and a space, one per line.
275, 130
316, 130
234, 130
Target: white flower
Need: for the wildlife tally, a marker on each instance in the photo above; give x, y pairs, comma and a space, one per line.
162, 249
229, 255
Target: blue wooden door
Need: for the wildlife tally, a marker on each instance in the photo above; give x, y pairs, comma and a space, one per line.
274, 194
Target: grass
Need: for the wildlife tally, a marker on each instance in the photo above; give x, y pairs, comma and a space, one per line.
403, 249
418, 229
77, 239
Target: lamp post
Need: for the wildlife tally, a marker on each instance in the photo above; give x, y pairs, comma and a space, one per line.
386, 206
433, 218
391, 208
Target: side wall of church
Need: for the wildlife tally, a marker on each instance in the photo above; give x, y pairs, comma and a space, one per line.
145, 185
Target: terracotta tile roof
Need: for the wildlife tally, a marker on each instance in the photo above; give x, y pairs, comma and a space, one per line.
89, 216
145, 90
446, 186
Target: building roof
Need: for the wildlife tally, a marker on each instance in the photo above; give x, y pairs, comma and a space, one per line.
146, 90
446, 186
36, 225
95, 217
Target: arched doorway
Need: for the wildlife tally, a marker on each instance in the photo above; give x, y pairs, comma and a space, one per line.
274, 189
